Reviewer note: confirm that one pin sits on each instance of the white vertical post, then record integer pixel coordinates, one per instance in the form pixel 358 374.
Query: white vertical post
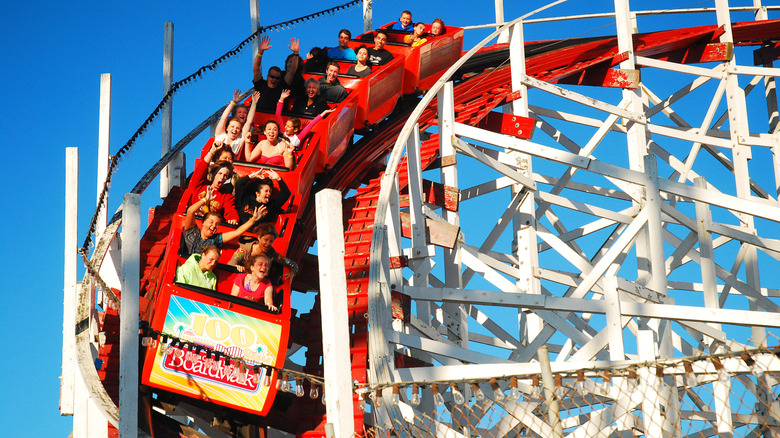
pixel 368 15
pixel 524 221
pixel 104 138
pixel 254 13
pixel 335 318
pixel 68 376
pixel 167 115
pixel 504 37
pixel 652 417
pixel 738 130
pixel 128 316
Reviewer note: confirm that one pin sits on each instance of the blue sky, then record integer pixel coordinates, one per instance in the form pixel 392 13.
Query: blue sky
pixel 53 54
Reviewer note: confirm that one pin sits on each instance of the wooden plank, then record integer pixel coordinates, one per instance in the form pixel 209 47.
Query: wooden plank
pixel 437 194
pixel 436 233
pixel 505 123
pixel 604 77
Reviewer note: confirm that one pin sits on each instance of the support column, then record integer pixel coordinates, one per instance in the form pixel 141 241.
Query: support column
pixel 524 221
pixel 167 112
pixel 67 379
pixel 368 15
pixel 738 130
pixel 335 318
pixel 128 316
pixel 104 139
pixel 254 13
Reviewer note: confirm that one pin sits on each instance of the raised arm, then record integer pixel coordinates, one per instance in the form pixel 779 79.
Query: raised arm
pixel 189 219
pixel 280 106
pixel 251 114
pixel 311 124
pixel 257 64
pixel 225 114
pixel 234 234
pixel 289 156
pixel 291 69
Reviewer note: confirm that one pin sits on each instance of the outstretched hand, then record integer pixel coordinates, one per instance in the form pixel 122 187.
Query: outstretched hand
pixel 295 45
pixel 236 96
pixel 285 94
pixel 265 44
pixel 255 96
pixel 327 111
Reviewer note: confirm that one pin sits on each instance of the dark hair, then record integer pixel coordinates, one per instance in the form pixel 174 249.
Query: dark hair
pixel 346 32
pixel 333 63
pixel 252 259
pixel 218 153
pixel 382 31
pixel 207 249
pixel 217 166
pixel 362 46
pixel 264 182
pixel 267 122
pixel 275 68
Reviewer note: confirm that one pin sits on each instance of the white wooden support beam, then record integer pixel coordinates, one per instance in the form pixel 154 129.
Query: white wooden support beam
pixel 503 37
pixel 128 316
pixel 167 112
pixel 335 320
pixel 68 377
pixel 706 253
pixel 104 139
pixel 453 277
pixel 368 15
pixel 254 13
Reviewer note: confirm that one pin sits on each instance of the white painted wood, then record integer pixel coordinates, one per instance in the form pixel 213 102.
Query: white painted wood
pixel 335 321
pixel 104 140
pixel 128 316
pixel 166 121
pixel 68 376
pixel 368 15
pixel 254 14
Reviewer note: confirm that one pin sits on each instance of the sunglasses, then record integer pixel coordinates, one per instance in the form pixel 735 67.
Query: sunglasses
pixel 274 77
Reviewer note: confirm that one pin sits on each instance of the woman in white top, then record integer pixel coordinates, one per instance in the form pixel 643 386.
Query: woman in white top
pixel 232 133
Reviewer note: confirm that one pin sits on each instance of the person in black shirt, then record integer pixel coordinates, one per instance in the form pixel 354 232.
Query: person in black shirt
pixel 271 88
pixel 378 55
pixel 313 104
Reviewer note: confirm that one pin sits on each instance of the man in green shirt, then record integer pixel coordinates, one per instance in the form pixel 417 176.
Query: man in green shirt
pixel 197 270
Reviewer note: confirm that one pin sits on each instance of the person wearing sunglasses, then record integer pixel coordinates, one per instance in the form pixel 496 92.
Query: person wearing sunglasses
pixel 271 87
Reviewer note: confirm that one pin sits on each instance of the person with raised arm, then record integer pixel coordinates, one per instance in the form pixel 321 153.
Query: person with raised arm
pixel 361 68
pixel 272 150
pixel 222 201
pixel 195 239
pixel 198 269
pixel 255 192
pixel 271 88
pixel 254 285
pixel 233 133
pixel 292 128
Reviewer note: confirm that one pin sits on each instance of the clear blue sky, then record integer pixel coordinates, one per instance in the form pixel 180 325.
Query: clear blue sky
pixel 53 54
